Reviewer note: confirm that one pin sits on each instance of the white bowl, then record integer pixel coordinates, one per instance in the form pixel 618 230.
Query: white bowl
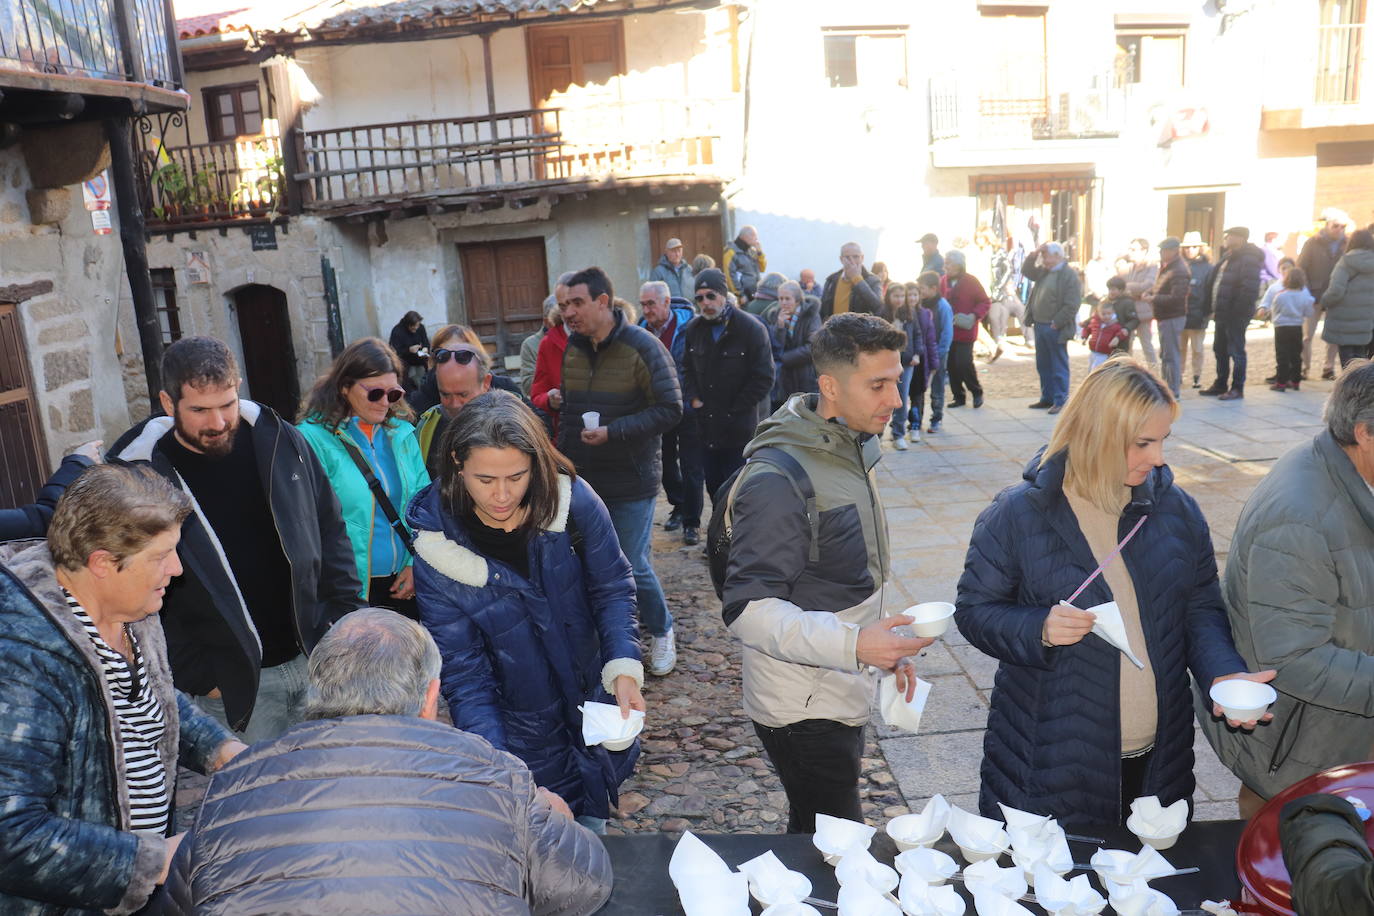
pixel 619 744
pixel 1149 839
pixel 930 618
pixel 1241 700
pixel 976 855
pixel 904 839
pixel 801 887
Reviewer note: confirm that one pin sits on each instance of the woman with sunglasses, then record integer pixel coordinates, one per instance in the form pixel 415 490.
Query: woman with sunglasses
pixel 354 419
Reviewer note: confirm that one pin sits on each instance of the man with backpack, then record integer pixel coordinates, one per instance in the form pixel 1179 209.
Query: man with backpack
pixel 800 553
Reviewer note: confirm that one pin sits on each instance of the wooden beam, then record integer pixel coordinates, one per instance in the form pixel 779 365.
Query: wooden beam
pixel 151 97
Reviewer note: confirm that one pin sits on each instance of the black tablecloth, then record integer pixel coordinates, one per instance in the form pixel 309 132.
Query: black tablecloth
pixel 643 888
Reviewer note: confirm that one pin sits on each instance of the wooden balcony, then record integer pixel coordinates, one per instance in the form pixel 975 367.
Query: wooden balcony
pixel 348 167
pixel 113 48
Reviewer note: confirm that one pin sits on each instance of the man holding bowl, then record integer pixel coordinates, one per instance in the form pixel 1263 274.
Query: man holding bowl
pixel 1299 590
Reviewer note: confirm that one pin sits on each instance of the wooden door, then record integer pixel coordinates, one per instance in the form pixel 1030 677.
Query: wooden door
pixel 269 356
pixel 562 56
pixel 23 456
pixel 699 234
pixel 504 287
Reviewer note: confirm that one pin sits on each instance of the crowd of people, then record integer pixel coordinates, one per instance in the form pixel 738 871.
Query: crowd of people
pixel 287 603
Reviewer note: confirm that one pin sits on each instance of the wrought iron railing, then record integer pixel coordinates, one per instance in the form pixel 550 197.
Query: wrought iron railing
pixel 960 110
pixel 212 182
pixel 129 40
pixel 1340 60
pixel 346 165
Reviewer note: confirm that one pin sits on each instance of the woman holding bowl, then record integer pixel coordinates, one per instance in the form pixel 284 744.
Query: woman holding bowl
pixel 1077 730
pixel 521 581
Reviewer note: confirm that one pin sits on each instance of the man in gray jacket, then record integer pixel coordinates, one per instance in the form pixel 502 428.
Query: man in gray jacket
pixel 1053 309
pixel 371 806
pixel 1299 589
pixel 810 615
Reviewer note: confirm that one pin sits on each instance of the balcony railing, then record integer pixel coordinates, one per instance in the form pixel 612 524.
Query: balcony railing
pixel 1340 57
pixel 958 110
pixel 127 40
pixel 212 182
pixel 450 156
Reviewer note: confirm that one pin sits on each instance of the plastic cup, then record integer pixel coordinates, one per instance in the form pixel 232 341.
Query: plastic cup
pixel 591 419
pixel 977 855
pixel 1241 700
pixel 1155 841
pixel 930 618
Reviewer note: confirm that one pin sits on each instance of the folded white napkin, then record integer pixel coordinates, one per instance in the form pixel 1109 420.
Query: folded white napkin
pixel 994 904
pixel 859 866
pixel 835 835
pixel 1110 627
pixel 987 877
pixel 1074 897
pixel 921 899
pixel 1117 866
pixel 1032 824
pixel 791 909
pixel 921 829
pixel 704 883
pixel 602 722
pixel 1139 899
pixel 976 833
pixel 929 865
pixel 1153 819
pixel 772 883
pixel 860 899
pixel 694 861
pixel 1049 847
pixel 895 709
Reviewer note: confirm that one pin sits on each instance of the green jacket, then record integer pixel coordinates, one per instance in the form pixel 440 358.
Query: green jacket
pixel 1325 852
pixel 429 428
pixel 1299 592
pixel 355 499
pixel 1055 298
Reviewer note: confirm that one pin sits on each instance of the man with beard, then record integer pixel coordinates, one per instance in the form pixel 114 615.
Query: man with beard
pixel 268 564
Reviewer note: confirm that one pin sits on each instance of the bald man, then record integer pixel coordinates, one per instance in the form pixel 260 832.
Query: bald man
pixel 852 288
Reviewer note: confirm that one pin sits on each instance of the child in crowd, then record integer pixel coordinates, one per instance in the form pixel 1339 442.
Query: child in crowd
pixel 1103 333
pixel 942 318
pixel 1265 312
pixel 1124 308
pixel 1290 309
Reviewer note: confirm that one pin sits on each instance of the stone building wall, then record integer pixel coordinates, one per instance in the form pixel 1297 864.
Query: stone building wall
pixel 67 281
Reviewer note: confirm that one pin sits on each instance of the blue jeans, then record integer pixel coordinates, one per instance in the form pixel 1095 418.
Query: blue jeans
pixel 899 417
pixel 1051 363
pixel 633 521
pixel 1228 345
pixel 280 703
pixel 939 378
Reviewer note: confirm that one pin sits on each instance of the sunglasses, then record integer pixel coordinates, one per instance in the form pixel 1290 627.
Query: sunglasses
pixel 461 357
pixel 706 297
pixel 374 395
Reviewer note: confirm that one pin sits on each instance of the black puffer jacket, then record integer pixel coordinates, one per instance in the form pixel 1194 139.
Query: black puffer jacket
pixel 730 375
pixel 383 814
pixel 1053 742
pixel 1236 295
pixel 1199 306
pixel 1326 855
pixel 632 382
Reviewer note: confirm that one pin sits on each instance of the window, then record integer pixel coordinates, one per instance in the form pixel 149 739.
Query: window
pixel 874 58
pixel 1340 51
pixel 588 55
pixel 232 111
pixel 1150 55
pixel 165 299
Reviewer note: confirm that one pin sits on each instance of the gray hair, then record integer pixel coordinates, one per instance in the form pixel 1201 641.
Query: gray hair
pixel 793 287
pixel 372 662
pixel 955 256
pixel 658 289
pixel 1351 402
pixel 552 314
pixel 1054 248
pixel 565 276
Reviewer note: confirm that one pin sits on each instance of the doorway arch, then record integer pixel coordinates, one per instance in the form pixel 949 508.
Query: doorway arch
pixel 269 353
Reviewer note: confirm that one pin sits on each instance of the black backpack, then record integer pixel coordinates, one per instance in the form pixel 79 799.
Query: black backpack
pixel 719 531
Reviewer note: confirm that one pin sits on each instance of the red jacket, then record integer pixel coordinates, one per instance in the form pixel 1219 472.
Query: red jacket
pixel 548 370
pixel 966 296
pixel 1103 338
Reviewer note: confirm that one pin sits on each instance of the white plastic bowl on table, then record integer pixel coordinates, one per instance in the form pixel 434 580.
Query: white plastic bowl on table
pixel 1155 841
pixel 1241 700
pixel 930 618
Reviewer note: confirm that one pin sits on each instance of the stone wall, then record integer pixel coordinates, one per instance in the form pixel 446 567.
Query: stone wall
pixel 68 281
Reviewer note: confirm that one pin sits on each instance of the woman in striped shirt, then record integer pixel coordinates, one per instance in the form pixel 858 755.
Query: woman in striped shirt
pixel 91 725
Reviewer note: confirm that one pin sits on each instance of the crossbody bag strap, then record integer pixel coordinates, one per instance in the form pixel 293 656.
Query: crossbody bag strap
pixel 801 485
pixel 1107 562
pixel 379 494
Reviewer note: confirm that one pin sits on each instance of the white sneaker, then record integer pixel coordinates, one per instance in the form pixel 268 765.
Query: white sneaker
pixel 662 654
pixel 914 435
pixel 899 443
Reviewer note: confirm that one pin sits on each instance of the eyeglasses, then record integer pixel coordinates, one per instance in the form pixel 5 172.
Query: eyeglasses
pixel 706 297
pixel 461 357
pixel 392 395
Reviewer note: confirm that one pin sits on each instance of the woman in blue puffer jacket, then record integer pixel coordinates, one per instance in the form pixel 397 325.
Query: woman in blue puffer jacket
pixel 521 581
pixel 1077 730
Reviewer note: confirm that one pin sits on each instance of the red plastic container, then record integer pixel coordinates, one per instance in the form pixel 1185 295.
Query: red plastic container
pixel 1265 885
